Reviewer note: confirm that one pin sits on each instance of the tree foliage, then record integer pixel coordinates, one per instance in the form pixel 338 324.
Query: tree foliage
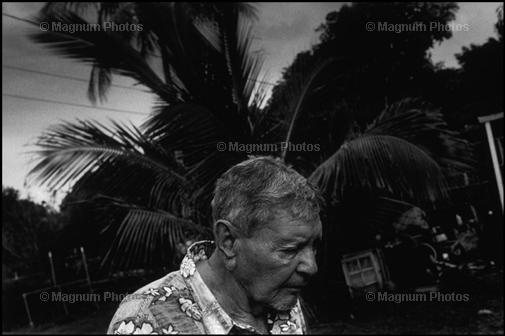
pixel 158 178
pixel 377 67
pixel 28 231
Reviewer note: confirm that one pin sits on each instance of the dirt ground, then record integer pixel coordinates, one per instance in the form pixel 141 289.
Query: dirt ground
pixel 370 318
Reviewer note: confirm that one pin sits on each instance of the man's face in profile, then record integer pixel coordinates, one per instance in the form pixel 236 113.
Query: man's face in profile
pixel 275 263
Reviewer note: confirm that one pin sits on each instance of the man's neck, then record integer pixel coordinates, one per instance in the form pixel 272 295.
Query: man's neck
pixel 230 294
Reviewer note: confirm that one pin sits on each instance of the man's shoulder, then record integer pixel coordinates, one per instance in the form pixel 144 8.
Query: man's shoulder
pixel 156 307
pixel 171 279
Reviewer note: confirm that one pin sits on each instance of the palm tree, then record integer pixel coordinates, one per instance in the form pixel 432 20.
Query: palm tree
pixel 163 172
pixel 208 93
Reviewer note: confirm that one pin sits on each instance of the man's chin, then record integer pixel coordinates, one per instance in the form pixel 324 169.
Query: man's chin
pixel 286 302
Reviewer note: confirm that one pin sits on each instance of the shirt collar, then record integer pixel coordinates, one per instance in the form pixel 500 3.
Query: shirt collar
pixel 214 318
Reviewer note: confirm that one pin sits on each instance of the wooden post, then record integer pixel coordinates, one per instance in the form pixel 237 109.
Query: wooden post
pixel 53 274
pixel 88 278
pixel 27 308
pixel 53 277
pixel 492 148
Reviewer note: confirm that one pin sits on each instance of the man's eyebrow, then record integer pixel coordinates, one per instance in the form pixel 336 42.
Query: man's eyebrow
pixel 285 240
pixel 296 239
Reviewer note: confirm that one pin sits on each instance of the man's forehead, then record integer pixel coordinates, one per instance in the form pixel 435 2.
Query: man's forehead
pixel 289 229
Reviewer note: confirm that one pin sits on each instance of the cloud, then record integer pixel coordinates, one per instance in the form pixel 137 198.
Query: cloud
pixel 287 31
pixel 480 18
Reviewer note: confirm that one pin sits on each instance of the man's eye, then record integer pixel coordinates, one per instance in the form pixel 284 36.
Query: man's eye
pixel 290 250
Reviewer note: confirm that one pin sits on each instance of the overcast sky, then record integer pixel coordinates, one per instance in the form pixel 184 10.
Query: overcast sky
pixel 283 30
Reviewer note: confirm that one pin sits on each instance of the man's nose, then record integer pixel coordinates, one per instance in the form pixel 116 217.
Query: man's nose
pixel 308 264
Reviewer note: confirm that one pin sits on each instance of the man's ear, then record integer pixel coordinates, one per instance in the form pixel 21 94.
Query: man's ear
pixel 226 236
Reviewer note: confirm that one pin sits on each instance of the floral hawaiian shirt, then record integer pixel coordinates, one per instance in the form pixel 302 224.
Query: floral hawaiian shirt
pixel 181 303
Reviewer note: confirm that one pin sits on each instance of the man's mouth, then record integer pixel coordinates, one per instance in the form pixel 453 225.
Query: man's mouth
pixel 295 287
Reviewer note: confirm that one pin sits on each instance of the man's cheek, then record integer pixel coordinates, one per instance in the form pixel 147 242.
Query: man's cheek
pixel 282 260
pixel 277 279
pixel 272 280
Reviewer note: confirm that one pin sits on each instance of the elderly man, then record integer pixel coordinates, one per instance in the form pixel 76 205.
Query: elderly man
pixel 248 281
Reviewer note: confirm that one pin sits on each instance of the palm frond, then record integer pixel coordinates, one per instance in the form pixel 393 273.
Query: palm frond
pixel 235 31
pixel 106 50
pixel 99 83
pixel 382 164
pixel 420 123
pixel 102 13
pixel 70 150
pixel 80 8
pixel 212 10
pixel 178 42
pixel 188 128
pixel 145 236
pixel 194 133
pixel 135 184
pixel 306 86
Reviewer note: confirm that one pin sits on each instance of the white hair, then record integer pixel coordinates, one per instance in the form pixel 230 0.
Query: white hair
pixel 250 193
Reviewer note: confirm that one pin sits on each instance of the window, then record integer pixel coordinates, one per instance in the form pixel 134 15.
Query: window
pixel 361 270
